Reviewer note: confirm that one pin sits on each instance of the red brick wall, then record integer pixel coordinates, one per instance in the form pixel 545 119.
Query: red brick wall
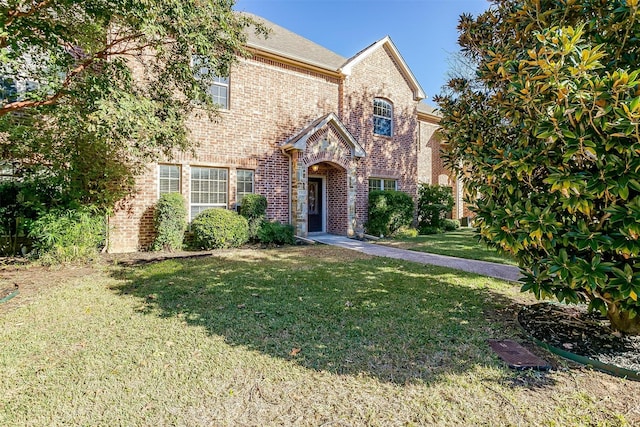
pixel 269 102
pixel 337 201
pixel 378 76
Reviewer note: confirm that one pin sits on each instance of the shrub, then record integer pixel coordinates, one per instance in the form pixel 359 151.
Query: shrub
pixel 276 233
pixel 388 211
pixel 254 209
pixel 62 236
pixel 170 220
pixel 218 229
pixel 451 224
pixel 407 232
pixel 430 230
pixel 434 202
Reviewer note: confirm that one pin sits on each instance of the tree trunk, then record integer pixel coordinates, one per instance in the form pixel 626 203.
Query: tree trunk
pixel 620 320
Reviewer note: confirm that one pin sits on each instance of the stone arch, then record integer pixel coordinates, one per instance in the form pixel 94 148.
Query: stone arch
pixel 326 140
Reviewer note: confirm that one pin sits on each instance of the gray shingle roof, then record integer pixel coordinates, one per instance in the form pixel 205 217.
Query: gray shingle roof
pixel 291 45
pixel 423 107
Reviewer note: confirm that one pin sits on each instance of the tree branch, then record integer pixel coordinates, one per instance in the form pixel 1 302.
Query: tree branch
pixel 16 13
pixel 106 52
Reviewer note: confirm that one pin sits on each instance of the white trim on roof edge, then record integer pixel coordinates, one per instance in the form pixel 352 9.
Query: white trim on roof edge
pixel 418 92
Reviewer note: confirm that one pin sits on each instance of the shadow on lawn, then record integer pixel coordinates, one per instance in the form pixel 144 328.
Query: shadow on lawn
pixel 351 315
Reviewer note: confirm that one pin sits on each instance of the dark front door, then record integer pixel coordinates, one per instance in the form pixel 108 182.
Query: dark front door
pixel 314 201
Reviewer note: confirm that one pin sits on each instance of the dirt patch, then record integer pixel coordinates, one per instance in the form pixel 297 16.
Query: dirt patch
pixel 574 330
pixel 30 280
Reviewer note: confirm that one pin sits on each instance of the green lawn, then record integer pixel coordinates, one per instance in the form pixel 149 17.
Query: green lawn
pixel 297 336
pixel 461 243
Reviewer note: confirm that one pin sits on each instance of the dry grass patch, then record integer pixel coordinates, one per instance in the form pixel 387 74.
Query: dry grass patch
pixel 297 336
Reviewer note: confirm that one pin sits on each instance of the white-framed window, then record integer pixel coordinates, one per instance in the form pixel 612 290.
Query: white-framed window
pixel 209 189
pixel 382 184
pixel 244 184
pixel 7 172
pixel 169 179
pixel 219 88
pixel 219 92
pixel 382 117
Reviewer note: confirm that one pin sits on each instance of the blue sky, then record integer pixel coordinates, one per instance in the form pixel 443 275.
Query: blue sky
pixel 424 31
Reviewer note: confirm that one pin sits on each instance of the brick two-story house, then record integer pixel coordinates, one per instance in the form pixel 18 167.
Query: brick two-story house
pixel 305 127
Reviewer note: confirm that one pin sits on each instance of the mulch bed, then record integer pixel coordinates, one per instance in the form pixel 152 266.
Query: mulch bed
pixel 574 330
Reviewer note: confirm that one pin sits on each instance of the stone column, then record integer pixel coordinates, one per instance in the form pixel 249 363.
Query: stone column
pixel 299 194
pixel 352 190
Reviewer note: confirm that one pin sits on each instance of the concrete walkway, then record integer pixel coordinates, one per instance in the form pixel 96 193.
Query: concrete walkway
pixel 490 269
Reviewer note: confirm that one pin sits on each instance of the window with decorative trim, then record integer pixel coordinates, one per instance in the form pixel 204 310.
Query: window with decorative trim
pixel 209 189
pixel 382 117
pixel 382 184
pixel 219 88
pixel 168 179
pixel 244 184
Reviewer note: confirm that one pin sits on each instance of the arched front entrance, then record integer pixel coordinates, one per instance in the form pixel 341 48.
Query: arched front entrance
pixel 327 201
pixel 324 158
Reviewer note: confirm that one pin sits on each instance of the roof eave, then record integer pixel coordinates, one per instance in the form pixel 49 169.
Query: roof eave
pixel 293 60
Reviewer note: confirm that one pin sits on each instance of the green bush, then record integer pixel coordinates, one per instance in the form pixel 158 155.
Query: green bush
pixel 218 229
pixel 276 233
pixel 434 202
pixel 170 220
pixel 254 208
pixel 388 211
pixel 430 230
pixel 62 236
pixel 407 233
pixel 22 202
pixel 451 224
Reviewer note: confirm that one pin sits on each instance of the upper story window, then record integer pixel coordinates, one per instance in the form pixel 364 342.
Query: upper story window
pixel 219 86
pixel 382 117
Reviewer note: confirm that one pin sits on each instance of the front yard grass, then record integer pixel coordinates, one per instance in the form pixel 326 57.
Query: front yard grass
pixel 461 243
pixel 296 336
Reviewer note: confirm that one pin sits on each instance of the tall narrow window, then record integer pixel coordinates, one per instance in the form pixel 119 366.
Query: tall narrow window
pixel 244 184
pixel 168 179
pixel 209 189
pixel 219 86
pixel 382 117
pixel 219 92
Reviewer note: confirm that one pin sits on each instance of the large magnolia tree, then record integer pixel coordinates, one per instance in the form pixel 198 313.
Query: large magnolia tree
pixel 72 109
pixel 547 138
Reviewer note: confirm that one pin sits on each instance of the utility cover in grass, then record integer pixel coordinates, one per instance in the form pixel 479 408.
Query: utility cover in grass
pixel 518 357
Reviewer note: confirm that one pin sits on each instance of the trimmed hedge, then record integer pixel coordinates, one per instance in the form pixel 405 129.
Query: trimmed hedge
pixel 219 229
pixel 170 220
pixel 276 233
pixel 389 210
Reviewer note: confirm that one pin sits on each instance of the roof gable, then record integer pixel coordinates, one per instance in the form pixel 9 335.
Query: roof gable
pixel 299 141
pixel 346 69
